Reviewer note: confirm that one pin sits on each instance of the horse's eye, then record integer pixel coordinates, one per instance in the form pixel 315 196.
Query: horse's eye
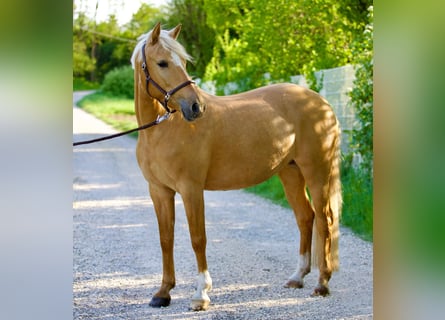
pixel 163 64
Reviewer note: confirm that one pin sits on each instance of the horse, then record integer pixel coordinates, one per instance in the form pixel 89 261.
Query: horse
pixel 208 142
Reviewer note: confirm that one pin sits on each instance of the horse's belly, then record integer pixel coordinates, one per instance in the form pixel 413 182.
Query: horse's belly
pixel 246 165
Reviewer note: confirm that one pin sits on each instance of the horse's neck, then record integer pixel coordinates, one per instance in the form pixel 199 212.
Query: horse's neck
pixel 147 109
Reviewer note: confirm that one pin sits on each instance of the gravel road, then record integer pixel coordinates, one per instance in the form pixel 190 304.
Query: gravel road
pixel 252 248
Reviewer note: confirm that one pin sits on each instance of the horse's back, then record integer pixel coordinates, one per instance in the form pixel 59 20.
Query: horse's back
pixel 306 111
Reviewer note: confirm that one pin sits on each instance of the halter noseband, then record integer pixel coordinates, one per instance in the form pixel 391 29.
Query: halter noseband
pixel 167 94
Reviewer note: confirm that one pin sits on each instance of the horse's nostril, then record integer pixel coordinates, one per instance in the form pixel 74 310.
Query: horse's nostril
pixel 195 108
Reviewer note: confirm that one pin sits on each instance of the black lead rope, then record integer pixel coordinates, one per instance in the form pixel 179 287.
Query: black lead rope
pixel 145 126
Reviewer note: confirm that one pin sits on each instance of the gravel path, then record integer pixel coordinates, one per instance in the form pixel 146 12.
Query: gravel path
pixel 252 248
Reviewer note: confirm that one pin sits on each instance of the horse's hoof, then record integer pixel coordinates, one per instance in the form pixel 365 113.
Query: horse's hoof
pixel 158 302
pixel 199 305
pixel 321 290
pixel 297 284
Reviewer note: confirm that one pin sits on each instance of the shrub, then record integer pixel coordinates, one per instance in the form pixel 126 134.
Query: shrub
pixel 119 82
pixel 362 97
pixel 82 84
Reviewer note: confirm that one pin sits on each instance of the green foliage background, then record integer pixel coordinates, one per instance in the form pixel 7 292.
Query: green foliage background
pixel 280 37
pixel 231 40
pixel 362 99
pixel 119 82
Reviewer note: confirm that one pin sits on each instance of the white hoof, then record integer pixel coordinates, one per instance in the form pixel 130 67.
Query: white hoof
pixel 200 300
pixel 200 304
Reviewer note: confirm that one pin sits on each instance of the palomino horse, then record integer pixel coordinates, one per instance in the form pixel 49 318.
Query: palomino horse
pixel 232 142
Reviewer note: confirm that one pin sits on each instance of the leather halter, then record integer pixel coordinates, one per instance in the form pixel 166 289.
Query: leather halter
pixel 167 94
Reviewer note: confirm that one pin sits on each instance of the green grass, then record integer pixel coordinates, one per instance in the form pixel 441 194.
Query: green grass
pixel 357 187
pixel 271 189
pixel 80 84
pixel 357 200
pixel 117 112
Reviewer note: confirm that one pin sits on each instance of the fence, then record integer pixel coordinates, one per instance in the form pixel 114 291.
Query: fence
pixel 336 83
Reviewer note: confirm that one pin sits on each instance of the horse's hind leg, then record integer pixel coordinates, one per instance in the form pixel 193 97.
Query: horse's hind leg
pixel 323 181
pixel 295 189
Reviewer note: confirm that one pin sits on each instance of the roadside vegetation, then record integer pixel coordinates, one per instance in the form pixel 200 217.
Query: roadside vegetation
pixel 252 38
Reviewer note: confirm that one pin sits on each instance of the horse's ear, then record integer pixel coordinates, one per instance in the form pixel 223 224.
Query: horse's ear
pixel 174 33
pixel 155 33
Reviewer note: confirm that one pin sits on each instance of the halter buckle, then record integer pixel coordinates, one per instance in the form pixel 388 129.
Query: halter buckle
pixel 165 116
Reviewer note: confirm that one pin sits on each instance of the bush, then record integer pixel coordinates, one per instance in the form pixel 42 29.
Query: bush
pixel 82 84
pixel 119 82
pixel 362 97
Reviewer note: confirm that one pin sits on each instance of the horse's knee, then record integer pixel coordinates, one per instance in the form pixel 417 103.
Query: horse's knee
pixel 167 243
pixel 199 242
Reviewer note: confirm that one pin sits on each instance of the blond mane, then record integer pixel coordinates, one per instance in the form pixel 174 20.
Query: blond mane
pixel 165 41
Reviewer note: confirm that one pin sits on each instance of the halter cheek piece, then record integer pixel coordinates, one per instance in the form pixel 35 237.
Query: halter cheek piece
pixel 167 94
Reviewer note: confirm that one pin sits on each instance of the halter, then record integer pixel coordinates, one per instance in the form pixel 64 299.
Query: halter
pixel 167 94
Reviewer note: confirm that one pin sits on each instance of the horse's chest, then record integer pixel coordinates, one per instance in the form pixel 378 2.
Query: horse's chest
pixel 167 163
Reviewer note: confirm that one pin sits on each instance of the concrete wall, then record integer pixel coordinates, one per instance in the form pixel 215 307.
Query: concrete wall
pixel 336 84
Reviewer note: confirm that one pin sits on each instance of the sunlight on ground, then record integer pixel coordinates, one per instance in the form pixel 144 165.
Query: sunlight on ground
pixel 112 203
pixel 89 187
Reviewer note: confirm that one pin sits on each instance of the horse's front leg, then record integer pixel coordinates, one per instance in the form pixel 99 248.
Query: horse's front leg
pixel 163 200
pixel 194 207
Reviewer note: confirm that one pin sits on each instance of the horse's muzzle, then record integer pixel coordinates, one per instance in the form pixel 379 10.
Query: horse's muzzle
pixel 193 111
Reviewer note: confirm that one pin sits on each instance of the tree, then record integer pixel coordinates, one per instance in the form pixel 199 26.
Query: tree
pixel 362 96
pixel 83 63
pixel 143 21
pixel 100 47
pixel 196 36
pixel 282 38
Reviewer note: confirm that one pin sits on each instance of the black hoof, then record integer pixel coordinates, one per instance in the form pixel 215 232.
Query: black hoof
pixel 158 302
pixel 321 290
pixel 294 284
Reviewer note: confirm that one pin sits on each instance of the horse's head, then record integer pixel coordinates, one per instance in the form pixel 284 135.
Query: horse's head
pixel 165 61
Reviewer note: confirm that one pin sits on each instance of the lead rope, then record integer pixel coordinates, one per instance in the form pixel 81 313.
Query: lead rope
pixel 158 120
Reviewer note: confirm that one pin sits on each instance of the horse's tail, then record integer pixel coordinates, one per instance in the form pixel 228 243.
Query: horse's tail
pixel 334 209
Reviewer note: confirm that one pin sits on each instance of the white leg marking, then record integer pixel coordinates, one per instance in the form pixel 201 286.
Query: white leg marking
pixel 304 264
pixel 200 300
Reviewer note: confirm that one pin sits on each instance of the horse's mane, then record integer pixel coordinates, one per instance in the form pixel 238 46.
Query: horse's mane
pixel 166 41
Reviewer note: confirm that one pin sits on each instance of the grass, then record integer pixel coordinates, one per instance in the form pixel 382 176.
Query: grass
pixel 117 112
pixel 271 189
pixel 357 187
pixel 357 199
pixel 80 84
